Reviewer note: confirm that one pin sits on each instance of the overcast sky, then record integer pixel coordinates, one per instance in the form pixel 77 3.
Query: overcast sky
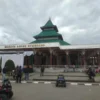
pixel 78 20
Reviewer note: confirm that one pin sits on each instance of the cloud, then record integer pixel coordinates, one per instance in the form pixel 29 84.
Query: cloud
pixel 78 20
pixel 6 38
pixel 70 31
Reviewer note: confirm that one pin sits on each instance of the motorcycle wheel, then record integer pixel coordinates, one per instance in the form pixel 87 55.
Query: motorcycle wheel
pixel 3 97
pixel 56 85
pixel 64 85
pixel 10 94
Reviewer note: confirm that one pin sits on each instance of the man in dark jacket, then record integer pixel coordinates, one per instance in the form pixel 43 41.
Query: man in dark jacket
pixel 91 73
pixel 18 74
pixel 26 72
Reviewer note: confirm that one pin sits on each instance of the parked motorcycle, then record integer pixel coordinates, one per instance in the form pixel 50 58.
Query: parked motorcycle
pixel 6 90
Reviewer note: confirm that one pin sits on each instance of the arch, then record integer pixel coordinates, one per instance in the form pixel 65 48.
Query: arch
pixel 16 58
pixel 9 65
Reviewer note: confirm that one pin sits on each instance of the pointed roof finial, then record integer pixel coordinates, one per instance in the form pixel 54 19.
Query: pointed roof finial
pixel 49 18
pixel 49 25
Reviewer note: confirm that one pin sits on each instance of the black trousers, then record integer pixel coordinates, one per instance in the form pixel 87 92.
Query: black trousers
pixel 18 78
pixel 41 73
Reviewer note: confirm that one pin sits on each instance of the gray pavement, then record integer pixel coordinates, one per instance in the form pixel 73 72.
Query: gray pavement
pixel 55 77
pixel 50 92
pixel 68 76
pixel 73 74
pixel 54 69
pixel 51 76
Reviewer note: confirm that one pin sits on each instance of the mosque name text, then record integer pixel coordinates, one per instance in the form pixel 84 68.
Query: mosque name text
pixel 23 46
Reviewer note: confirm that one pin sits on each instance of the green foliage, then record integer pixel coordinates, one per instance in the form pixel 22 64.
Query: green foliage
pixel 9 65
pixel 98 75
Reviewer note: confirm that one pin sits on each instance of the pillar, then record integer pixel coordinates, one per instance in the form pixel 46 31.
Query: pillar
pixel 34 56
pixel 78 59
pixel 51 51
pixel 84 58
pixel 98 58
pixel 67 58
pixel 57 59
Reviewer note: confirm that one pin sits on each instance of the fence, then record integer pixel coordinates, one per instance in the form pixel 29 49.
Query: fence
pixel 68 66
pixel 63 68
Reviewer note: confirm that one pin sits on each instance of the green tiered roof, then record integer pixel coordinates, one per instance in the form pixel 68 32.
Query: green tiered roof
pixel 49 34
pixel 49 24
pixel 51 41
pixel 46 33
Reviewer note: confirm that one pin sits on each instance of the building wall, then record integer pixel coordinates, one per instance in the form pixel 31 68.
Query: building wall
pixel 16 58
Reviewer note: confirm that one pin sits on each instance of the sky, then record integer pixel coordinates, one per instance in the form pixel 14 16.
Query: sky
pixel 77 20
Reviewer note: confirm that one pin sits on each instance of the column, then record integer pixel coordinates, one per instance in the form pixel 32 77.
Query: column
pixel 67 58
pixel 47 60
pixel 78 60
pixel 93 60
pixel 51 56
pixel 34 56
pixel 57 59
pixel 98 58
pixel 84 58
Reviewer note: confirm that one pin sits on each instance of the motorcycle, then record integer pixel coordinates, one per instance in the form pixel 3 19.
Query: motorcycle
pixel 6 90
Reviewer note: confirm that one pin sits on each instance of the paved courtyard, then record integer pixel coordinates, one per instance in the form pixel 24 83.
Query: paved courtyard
pixel 29 91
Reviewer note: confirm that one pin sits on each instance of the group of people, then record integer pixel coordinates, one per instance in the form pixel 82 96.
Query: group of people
pixel 16 73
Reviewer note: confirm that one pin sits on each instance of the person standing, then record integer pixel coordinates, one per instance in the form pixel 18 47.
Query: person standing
pixel 3 74
pixel 26 73
pixel 26 76
pixel 18 74
pixel 73 68
pixel 66 68
pixel 42 71
pixel 91 73
pixel 13 74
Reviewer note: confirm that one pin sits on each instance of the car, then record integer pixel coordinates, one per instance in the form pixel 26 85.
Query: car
pixel 60 81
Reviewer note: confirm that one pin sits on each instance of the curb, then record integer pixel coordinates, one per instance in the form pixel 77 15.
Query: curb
pixel 85 81
pixel 68 75
pixel 52 82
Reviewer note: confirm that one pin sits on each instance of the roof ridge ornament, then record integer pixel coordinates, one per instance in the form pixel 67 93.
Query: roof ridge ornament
pixel 49 18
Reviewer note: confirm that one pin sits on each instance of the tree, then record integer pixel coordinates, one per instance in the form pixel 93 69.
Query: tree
pixel 9 65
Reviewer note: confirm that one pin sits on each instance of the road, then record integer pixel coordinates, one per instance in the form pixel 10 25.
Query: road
pixel 30 91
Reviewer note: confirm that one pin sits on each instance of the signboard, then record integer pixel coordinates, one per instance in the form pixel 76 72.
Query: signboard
pixel 35 45
pixel 23 46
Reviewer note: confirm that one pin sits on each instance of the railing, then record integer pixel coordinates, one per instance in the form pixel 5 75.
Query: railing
pixel 68 66
pixel 63 68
